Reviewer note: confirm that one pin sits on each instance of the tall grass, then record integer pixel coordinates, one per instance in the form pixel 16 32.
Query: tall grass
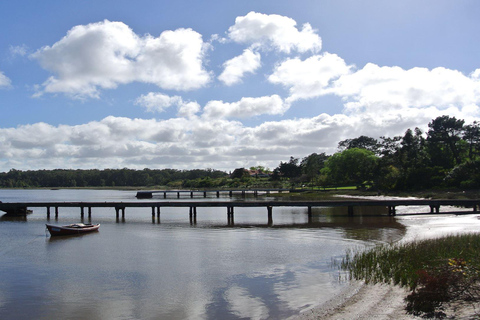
pixel 399 263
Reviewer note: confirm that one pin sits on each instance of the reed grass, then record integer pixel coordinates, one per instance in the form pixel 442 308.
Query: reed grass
pixel 400 263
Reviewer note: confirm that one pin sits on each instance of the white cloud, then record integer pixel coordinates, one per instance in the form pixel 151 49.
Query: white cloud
pixel 311 77
pixel 235 68
pixel 105 54
pixel 279 32
pixel 18 50
pixel 5 82
pixel 376 89
pixel 246 107
pixel 154 101
pixel 158 102
pixel 188 109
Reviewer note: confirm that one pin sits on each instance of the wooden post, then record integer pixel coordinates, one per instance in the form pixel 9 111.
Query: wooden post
pixel 350 210
pixel 230 215
pixel 270 216
pixel 153 211
pixel 218 194
pixel 82 212
pixel 56 212
pixel 117 210
pixel 48 212
pixel 204 194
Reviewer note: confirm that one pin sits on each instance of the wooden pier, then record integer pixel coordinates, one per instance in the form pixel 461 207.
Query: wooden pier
pixel 203 193
pixel 120 207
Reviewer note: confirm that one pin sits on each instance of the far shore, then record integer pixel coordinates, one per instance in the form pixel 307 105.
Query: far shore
pixel 303 193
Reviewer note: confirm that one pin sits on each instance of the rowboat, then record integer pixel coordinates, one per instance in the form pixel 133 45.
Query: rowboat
pixel 75 228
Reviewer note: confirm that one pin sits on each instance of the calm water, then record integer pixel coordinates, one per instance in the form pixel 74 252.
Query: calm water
pixel 170 269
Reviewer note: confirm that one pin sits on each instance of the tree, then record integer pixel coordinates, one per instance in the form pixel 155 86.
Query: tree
pixel 362 142
pixel 351 166
pixel 239 173
pixel 312 164
pixel 472 137
pixel 412 150
pixel 444 134
pixel 290 169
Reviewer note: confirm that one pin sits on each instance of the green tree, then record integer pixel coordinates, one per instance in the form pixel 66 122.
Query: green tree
pixel 312 164
pixel 443 136
pixel 290 169
pixel 362 142
pixel 351 166
pixel 472 137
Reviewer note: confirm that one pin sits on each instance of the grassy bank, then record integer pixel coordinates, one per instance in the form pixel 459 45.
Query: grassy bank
pixel 437 271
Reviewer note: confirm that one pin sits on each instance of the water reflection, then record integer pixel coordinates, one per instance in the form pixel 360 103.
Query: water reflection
pixel 14 217
pixel 167 268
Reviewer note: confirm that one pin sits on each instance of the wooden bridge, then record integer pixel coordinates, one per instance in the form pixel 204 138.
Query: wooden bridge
pixel 204 193
pixel 120 207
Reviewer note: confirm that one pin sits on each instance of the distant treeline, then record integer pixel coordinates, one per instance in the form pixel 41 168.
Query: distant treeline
pixel 446 156
pixel 102 178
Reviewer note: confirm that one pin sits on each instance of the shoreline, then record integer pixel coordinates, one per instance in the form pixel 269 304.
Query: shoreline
pixel 381 301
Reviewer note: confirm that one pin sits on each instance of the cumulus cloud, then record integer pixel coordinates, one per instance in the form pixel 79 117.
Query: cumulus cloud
pixel 154 101
pixel 373 88
pixel 159 102
pixel 105 54
pixel 235 68
pixel 274 31
pixel 246 107
pixel 5 82
pixel 311 77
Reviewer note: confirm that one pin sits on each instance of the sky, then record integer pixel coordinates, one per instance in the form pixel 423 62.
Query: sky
pixel 225 84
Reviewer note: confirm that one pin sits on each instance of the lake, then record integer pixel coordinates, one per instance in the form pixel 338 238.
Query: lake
pixel 140 268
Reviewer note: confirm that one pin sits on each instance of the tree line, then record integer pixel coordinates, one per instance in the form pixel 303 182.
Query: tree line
pixel 104 178
pixel 447 155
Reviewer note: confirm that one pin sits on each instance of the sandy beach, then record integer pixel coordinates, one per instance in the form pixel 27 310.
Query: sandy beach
pixel 361 301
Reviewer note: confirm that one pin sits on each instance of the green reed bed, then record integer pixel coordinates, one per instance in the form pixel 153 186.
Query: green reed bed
pixel 400 264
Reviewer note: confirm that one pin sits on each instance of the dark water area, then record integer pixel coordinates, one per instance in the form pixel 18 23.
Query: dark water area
pixel 141 268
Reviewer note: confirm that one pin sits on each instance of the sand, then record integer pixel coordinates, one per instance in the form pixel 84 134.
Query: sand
pixel 380 302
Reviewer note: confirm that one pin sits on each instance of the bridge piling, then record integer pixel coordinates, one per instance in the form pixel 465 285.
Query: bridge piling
pixel 350 210
pixel 270 215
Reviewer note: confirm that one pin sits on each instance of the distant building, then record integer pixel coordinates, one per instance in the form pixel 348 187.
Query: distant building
pixel 258 174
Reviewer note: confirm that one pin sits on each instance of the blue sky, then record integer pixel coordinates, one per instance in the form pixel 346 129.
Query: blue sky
pixel 225 84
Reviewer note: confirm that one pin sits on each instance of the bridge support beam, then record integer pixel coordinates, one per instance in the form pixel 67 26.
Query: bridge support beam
pixel 392 211
pixel 193 215
pixel 435 208
pixel 350 210
pixel 230 221
pixel 270 215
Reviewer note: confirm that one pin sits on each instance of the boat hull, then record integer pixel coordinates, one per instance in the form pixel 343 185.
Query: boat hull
pixel 71 229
